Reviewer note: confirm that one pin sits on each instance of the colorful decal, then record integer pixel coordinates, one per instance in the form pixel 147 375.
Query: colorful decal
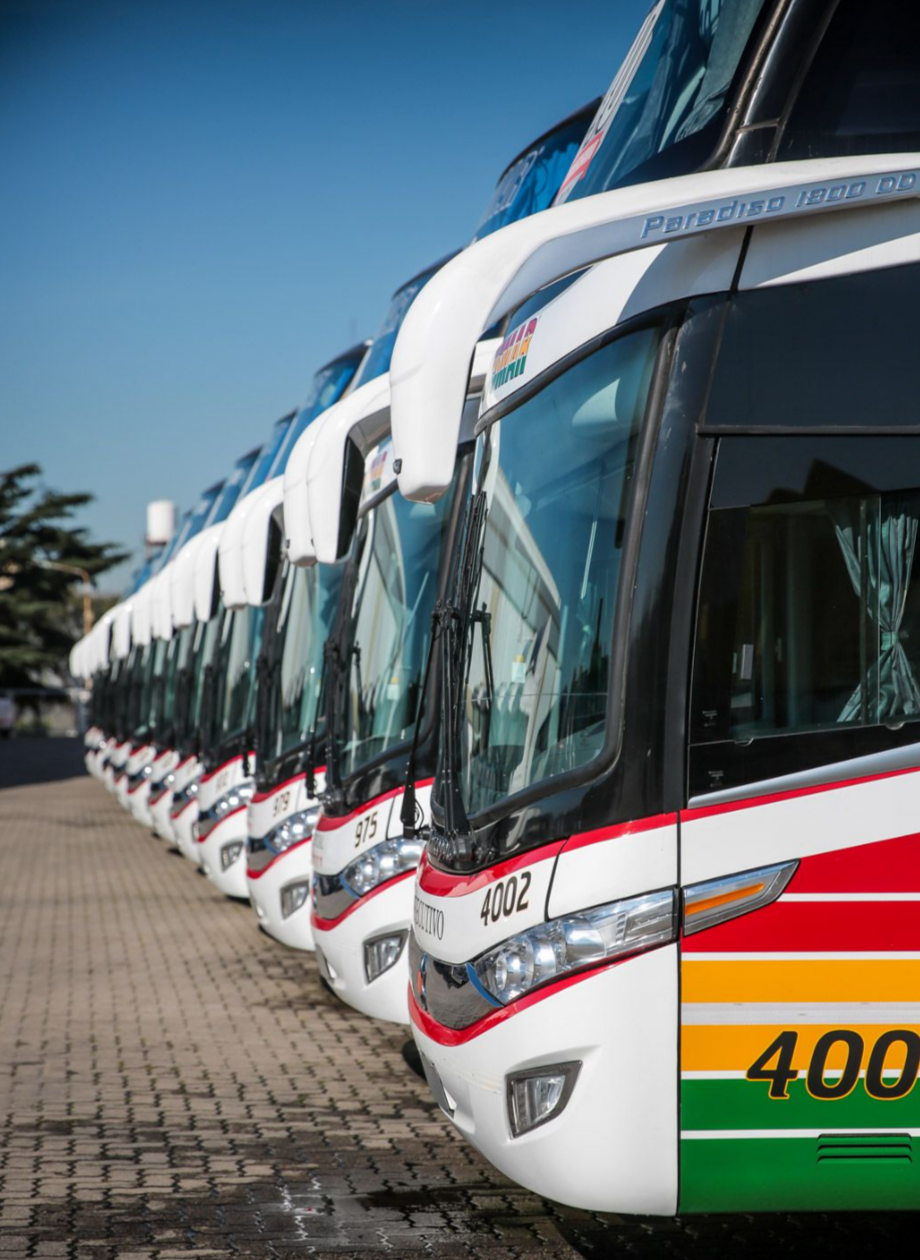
pixel 609 106
pixel 800 1042
pixel 511 356
pixel 378 470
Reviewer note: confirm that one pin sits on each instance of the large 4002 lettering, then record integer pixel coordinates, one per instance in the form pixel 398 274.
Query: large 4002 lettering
pixel 781 1054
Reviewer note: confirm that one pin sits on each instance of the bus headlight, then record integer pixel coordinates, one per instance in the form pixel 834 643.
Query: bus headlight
pixel 384 861
pixel 299 826
pixel 551 950
pixel 161 786
pixel 539 1094
pixel 235 799
pixel 183 797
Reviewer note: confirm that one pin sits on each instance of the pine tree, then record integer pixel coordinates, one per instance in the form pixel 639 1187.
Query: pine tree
pixel 39 620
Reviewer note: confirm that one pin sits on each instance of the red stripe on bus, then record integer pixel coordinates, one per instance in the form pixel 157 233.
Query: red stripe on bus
pixel 442 884
pixel 445 1036
pixel 815 926
pixel 326 925
pixel 250 874
pixel 582 839
pixel 239 809
pixel 206 778
pixel 333 824
pixel 270 792
pixel 729 807
pixel 882 866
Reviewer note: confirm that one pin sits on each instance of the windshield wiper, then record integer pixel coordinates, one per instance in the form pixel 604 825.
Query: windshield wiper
pixel 205 713
pixel 308 761
pixel 410 814
pixel 447 618
pixel 332 665
pixel 484 619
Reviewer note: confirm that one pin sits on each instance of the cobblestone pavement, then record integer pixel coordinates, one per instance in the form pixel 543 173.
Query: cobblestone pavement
pixel 177 1085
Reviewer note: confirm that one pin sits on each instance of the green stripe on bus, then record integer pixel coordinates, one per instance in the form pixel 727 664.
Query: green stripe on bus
pixel 738 1104
pixel 788 1174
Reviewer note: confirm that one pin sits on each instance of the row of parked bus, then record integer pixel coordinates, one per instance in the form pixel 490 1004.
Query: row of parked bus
pixel 553 673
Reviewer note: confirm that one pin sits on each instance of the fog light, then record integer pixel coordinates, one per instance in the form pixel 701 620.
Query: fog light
pixel 539 1095
pixel 230 854
pixel 293 897
pixel 382 952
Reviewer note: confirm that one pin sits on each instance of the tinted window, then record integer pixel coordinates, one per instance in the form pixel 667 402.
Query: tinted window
pixel 862 93
pixel 833 354
pixel 531 181
pixel 809 616
pixel 665 108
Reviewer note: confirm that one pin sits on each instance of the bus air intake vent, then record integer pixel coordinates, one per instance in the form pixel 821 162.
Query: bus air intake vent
pixel 889 1148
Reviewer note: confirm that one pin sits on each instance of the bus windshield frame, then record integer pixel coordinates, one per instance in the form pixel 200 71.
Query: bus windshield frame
pixel 235 657
pixel 372 708
pixel 289 692
pixel 475 656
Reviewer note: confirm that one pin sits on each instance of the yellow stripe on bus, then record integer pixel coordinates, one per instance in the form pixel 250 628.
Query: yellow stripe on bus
pixel 734 1047
pixel 801 980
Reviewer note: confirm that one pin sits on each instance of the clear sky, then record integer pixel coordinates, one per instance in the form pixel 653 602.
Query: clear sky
pixel 201 201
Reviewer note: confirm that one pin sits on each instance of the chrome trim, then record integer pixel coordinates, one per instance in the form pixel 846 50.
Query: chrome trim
pixel 905 758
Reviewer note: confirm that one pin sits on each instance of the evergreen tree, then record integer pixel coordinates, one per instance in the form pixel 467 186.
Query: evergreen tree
pixel 39 618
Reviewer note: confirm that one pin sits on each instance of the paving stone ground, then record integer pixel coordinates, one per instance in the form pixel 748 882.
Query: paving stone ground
pixel 175 1084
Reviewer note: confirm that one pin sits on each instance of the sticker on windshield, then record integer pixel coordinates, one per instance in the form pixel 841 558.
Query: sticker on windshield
pixel 607 110
pixel 511 357
pixel 378 470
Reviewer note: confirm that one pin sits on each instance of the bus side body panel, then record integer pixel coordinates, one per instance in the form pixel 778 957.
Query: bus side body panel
pixel 800 1022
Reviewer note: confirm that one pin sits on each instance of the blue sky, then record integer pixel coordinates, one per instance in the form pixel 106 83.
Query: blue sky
pixel 203 201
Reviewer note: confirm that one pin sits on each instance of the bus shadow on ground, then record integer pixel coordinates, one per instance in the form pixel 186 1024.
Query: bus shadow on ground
pixel 30 759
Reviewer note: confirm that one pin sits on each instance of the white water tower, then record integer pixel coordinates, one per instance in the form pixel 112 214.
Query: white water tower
pixel 161 523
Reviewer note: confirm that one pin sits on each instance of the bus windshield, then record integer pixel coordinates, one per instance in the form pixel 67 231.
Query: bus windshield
pixel 532 180
pixel 540 616
pixel 308 605
pixel 329 384
pixel 231 488
pixel 664 109
pixel 139 690
pixel 202 655
pixel 235 664
pixel 261 469
pixel 395 562
pixel 377 360
pixel 153 701
pixel 201 511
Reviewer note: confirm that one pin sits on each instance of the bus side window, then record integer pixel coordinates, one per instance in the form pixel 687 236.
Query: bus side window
pixel 808 632
pixel 862 91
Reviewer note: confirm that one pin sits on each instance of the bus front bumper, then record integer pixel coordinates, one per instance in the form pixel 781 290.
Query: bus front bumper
pixel 353 947
pixel 222 853
pixel 183 829
pixel 272 890
pixel 611 1145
